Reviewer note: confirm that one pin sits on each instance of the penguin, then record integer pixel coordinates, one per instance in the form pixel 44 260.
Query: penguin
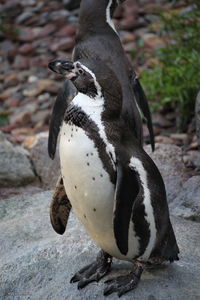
pixel 113 186
pixel 97 39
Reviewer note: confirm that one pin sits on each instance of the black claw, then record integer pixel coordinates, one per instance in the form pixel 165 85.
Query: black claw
pixel 109 290
pixel 75 278
pixel 82 284
pixel 121 293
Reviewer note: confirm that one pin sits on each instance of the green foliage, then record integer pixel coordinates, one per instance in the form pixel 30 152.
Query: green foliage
pixel 4 120
pixel 175 78
pixel 7 29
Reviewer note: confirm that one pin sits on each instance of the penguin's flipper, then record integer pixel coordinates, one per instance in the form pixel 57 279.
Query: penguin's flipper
pixel 60 208
pixel 127 190
pixel 65 95
pixel 144 107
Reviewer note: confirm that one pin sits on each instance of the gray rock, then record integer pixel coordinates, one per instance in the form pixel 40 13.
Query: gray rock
pixel 48 170
pixel 168 159
pixel 15 165
pixel 36 263
pixel 197 117
pixel 187 203
pixel 24 17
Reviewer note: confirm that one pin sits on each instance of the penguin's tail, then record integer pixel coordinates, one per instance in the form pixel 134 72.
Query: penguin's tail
pixel 167 249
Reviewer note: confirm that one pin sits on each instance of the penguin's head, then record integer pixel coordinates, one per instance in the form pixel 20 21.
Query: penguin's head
pixel 81 76
pixel 94 13
pixel 93 78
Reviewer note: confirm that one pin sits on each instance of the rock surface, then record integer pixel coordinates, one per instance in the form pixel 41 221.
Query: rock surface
pixel 48 170
pixel 36 263
pixel 168 159
pixel 187 203
pixel 15 166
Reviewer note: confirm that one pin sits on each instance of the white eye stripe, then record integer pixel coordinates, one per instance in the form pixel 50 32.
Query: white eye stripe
pixel 93 76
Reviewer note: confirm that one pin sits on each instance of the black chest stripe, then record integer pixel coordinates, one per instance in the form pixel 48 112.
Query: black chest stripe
pixel 79 118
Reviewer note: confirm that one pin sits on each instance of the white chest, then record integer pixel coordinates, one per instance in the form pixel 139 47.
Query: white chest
pixel 88 185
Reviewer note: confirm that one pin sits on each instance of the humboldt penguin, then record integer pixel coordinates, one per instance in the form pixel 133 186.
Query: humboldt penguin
pixel 98 39
pixel 113 186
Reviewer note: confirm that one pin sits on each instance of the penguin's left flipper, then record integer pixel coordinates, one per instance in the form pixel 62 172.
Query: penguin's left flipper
pixel 94 271
pixel 65 95
pixel 60 208
pixel 144 107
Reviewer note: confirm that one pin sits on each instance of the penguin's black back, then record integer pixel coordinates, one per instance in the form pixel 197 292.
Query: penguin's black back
pixel 102 43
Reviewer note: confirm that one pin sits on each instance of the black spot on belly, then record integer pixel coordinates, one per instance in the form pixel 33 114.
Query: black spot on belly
pixel 93 178
pixel 85 216
pixel 94 209
pixel 88 163
pixel 87 154
pixel 68 140
pixel 101 175
pixel 75 187
pixel 91 153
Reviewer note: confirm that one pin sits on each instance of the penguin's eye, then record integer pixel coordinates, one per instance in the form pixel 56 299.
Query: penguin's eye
pixel 80 71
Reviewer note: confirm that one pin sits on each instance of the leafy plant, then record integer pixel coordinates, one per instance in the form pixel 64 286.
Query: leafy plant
pixel 7 29
pixel 4 120
pixel 175 78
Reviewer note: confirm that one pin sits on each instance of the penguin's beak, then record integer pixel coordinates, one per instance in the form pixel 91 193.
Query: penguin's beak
pixel 63 67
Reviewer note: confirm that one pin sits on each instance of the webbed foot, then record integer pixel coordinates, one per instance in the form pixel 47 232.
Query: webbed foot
pixel 126 283
pixel 94 271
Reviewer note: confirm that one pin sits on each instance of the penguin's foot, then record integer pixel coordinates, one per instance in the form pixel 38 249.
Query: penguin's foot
pixel 126 283
pixel 94 271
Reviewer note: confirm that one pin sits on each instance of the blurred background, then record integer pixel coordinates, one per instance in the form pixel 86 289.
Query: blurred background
pixel 161 38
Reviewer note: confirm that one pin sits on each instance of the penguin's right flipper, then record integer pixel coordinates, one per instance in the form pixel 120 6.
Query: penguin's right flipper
pixel 144 107
pixel 127 190
pixel 65 95
pixel 60 208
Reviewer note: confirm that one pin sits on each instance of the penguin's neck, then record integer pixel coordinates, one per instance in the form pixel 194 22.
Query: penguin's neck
pixel 87 103
pixel 84 109
pixel 96 16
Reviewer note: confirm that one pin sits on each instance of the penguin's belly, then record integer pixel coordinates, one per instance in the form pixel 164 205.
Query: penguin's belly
pixel 88 186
